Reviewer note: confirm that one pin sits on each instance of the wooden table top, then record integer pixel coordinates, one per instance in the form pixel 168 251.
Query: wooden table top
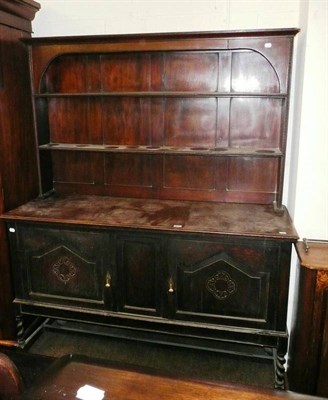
pixel 67 375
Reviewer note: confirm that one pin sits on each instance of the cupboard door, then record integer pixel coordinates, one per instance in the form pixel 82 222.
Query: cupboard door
pixel 224 282
pixel 61 266
pixel 139 274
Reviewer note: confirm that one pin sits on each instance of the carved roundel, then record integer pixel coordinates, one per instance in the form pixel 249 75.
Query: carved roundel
pixel 221 286
pixel 64 269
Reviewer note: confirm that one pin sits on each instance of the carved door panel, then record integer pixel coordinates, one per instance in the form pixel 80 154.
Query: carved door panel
pixel 223 282
pixel 61 266
pixel 139 268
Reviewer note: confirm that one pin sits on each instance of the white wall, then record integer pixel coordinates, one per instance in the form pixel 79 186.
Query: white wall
pixel 308 184
pixel 81 17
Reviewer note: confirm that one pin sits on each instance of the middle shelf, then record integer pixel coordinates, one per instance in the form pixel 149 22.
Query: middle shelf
pixel 153 149
pixel 163 94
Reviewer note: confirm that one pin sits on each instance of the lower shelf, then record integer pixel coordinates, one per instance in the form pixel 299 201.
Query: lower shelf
pixel 160 338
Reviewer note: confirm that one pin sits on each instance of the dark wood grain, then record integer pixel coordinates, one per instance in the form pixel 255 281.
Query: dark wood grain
pixel 307 370
pixel 160 159
pixel 125 383
pixel 200 91
pixel 18 165
pixel 139 275
pixel 18 14
pixel 207 217
pixel 11 382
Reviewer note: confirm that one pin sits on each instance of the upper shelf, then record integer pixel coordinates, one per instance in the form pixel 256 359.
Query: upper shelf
pixel 240 70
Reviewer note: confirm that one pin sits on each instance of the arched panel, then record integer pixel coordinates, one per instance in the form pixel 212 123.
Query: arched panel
pixel 252 73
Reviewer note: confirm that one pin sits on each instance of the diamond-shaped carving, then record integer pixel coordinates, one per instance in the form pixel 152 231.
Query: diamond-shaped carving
pixel 221 286
pixel 64 269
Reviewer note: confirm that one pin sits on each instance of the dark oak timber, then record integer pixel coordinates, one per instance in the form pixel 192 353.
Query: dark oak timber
pixel 308 361
pixel 18 164
pixel 144 106
pixel 161 161
pixel 69 374
pixel 159 215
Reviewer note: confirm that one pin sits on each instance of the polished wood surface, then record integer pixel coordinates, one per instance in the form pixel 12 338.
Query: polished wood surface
pixel 313 254
pixel 307 370
pixel 18 13
pixel 66 377
pixel 11 382
pixel 18 166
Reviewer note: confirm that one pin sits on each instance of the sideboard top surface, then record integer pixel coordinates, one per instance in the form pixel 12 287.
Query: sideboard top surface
pixel 316 257
pixel 163 215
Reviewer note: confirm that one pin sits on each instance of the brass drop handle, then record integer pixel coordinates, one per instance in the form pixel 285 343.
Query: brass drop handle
pixel 108 281
pixel 171 286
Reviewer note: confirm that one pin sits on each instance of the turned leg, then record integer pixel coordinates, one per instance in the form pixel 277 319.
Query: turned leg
pixel 279 363
pixel 20 330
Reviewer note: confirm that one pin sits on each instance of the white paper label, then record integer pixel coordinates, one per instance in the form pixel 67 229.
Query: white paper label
pixel 88 392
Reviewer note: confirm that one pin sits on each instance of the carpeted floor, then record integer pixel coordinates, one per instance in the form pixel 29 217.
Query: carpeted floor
pixel 189 363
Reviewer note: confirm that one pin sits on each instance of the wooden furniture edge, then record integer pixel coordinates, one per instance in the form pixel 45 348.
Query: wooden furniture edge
pixel 18 13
